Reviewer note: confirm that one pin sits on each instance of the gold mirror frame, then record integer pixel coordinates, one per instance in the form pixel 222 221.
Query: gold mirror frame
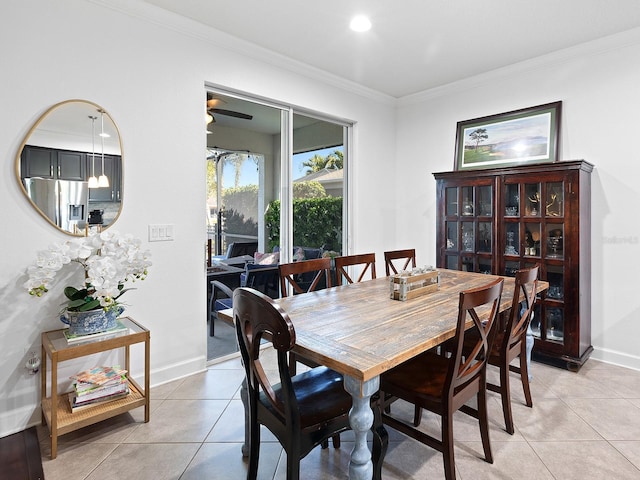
pixel 67 127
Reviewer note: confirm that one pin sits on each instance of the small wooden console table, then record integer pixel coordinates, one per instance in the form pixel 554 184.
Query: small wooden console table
pixel 56 411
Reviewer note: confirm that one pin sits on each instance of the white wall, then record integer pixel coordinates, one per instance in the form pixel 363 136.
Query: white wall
pixel 598 85
pixel 150 76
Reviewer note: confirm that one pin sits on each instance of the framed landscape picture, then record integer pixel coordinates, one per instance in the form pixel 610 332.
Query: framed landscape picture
pixel 525 136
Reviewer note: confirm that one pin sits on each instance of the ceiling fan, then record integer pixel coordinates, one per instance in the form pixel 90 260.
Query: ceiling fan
pixel 212 107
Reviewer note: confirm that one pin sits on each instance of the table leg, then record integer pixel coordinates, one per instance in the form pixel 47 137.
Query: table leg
pixel 529 346
pixel 361 420
pixel 244 396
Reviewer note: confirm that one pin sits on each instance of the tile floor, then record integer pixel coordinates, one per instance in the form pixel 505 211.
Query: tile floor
pixel 583 425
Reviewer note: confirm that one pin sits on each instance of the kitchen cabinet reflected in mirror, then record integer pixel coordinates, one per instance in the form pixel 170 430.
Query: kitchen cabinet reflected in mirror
pixel 70 167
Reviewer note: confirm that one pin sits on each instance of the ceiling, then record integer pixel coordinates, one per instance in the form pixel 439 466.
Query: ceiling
pixel 414 45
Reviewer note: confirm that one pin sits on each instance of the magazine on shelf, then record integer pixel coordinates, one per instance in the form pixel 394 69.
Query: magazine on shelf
pixel 102 392
pixel 71 338
pixel 82 388
pixel 75 405
pixel 99 375
pixel 98 391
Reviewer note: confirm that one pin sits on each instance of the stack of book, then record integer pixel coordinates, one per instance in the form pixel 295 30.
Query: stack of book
pixel 98 385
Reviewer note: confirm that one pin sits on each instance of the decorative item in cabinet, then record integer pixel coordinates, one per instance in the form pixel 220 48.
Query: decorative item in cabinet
pixel 523 216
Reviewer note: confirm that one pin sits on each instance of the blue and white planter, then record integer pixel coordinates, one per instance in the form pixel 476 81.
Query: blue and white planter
pixel 92 321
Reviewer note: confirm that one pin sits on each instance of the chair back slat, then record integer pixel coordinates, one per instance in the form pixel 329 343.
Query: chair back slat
pixel 366 260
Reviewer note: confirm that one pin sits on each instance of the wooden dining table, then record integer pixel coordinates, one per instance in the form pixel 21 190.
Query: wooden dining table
pixel 359 331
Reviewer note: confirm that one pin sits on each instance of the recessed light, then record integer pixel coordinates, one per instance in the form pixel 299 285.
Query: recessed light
pixel 360 23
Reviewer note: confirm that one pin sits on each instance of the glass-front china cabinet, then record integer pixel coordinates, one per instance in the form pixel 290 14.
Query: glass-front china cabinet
pixel 497 221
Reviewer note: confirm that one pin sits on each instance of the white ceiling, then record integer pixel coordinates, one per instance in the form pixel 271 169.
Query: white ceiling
pixel 414 45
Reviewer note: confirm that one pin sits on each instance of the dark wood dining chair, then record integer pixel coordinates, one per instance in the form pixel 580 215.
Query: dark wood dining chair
pixel 443 384
pixel 302 411
pixel 392 257
pixel 511 343
pixel 292 274
pixel 366 261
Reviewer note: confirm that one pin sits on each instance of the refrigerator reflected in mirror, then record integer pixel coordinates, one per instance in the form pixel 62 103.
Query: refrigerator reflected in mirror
pixel 63 202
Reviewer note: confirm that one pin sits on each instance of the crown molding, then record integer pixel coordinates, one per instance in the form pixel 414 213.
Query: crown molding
pixel 592 48
pixel 157 16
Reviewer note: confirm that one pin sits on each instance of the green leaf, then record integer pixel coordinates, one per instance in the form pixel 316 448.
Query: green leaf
pixel 93 304
pixel 74 294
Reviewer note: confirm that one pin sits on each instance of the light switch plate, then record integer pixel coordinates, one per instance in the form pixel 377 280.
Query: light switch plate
pixel 161 232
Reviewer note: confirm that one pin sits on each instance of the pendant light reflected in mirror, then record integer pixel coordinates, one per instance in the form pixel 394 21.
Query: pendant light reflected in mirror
pixel 93 181
pixel 103 181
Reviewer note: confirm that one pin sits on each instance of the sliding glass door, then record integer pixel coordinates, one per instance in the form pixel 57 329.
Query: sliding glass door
pixel 276 179
pixel 276 175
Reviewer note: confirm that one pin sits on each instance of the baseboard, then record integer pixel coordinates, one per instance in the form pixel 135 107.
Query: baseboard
pixel 177 371
pixel 19 418
pixel 615 357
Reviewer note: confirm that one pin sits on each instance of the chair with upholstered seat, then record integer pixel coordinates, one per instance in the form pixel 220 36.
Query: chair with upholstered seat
pixel 443 384
pixel 302 411
pixel 292 274
pixel 391 258
pixel 366 261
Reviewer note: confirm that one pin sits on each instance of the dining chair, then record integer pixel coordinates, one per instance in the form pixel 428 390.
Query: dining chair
pixel 511 343
pixel 295 274
pixel 367 261
pixel 292 274
pixel 443 384
pixel 302 411
pixel 408 255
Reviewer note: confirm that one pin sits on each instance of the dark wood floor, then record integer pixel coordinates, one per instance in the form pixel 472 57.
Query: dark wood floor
pixel 20 456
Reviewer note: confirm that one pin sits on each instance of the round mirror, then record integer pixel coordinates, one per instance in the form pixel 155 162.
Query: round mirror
pixel 70 167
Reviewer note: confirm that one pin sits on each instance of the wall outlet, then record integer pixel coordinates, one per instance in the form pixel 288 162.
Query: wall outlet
pixel 161 233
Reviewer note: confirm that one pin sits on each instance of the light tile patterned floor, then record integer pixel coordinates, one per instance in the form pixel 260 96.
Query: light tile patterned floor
pixel 583 425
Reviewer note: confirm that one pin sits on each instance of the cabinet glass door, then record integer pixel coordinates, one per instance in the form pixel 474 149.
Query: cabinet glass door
pixel 468 227
pixel 531 241
pixel 512 239
pixel 512 200
pixel 554 199
pixel 532 199
pixel 451 194
pixel 452 235
pixel 484 237
pixel 555 324
pixel 555 277
pixel 555 239
pixel 468 237
pixel 484 203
